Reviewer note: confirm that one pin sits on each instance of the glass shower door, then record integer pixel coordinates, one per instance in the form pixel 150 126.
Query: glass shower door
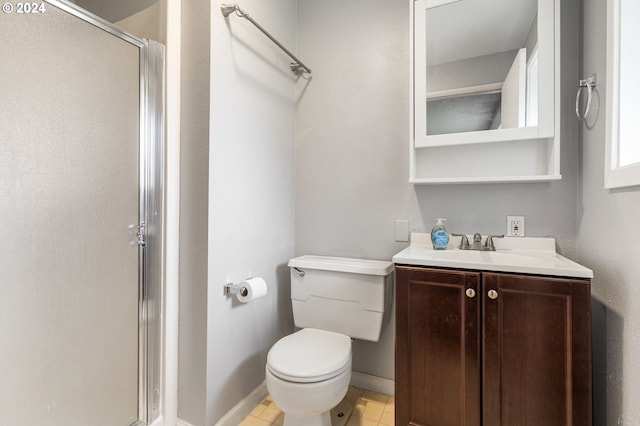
pixel 70 279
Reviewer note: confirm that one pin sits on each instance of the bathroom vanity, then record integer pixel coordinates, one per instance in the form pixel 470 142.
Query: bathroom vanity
pixel 492 338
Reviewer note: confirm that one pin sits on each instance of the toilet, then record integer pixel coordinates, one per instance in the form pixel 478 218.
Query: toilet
pixel 334 300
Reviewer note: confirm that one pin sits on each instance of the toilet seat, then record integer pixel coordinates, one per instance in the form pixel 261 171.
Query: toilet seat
pixel 310 355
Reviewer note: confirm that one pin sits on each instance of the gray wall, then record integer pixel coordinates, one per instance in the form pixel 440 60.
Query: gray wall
pixel 142 18
pixel 250 196
pixel 352 141
pixel 469 72
pixel 236 201
pixel 115 10
pixel 607 220
pixel 194 153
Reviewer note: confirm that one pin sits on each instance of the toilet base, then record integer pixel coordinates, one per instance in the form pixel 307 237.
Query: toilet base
pixel 308 404
pixel 323 419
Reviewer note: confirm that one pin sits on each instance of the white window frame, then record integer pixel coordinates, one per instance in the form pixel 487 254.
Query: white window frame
pixel 614 175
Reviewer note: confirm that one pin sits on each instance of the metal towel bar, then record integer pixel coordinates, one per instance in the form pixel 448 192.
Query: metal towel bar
pixel 296 67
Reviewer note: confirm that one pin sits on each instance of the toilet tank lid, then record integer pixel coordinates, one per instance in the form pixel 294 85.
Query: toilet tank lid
pixel 342 264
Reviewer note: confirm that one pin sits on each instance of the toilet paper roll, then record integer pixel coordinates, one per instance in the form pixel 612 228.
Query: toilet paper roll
pixel 255 288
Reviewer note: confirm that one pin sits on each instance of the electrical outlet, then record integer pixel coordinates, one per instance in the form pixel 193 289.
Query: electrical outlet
pixel 515 226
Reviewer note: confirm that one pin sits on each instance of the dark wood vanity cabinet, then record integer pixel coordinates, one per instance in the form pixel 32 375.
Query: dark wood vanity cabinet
pixel 437 348
pixel 491 349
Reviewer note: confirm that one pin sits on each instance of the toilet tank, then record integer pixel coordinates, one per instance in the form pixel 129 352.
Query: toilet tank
pixel 347 296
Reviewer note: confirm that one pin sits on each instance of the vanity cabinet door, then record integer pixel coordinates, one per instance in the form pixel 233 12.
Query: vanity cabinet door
pixel 437 347
pixel 536 351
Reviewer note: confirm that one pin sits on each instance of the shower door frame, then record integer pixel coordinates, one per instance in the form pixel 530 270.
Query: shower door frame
pixel 150 230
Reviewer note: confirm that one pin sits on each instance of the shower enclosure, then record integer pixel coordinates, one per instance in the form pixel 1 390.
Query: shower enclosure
pixel 81 219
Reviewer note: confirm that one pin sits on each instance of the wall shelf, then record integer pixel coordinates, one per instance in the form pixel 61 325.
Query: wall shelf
pixel 529 160
pixel 505 179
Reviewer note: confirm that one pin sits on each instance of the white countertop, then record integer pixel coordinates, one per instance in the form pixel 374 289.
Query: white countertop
pixel 520 255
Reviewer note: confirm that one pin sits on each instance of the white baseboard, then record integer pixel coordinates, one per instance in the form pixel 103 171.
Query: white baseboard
pixel 244 407
pixel 372 383
pixel 182 423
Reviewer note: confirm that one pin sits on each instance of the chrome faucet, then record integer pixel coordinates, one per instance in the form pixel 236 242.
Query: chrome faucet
pixel 477 242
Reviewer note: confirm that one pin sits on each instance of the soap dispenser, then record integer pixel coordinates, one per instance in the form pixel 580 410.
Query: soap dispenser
pixel 440 235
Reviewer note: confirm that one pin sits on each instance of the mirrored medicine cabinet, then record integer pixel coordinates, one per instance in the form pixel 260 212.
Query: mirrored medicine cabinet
pixel 484 82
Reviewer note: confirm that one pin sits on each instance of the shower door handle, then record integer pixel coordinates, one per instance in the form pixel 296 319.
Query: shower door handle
pixel 137 234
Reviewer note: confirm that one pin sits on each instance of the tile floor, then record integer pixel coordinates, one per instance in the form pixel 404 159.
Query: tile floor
pixel 369 409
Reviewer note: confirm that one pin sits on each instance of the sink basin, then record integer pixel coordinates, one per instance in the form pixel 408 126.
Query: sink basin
pixel 520 255
pixel 487 257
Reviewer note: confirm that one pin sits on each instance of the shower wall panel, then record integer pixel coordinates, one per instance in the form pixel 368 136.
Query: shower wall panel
pixel 69 141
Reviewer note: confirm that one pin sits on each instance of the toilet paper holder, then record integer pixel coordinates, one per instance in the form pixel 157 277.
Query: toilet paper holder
pixel 231 289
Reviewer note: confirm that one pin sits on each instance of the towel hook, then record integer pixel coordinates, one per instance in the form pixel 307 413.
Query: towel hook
pixel 589 83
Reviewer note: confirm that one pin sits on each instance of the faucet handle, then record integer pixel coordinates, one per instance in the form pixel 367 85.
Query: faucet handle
pixel 488 243
pixel 464 242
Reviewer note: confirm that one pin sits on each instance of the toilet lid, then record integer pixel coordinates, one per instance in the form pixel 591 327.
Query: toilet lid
pixel 310 355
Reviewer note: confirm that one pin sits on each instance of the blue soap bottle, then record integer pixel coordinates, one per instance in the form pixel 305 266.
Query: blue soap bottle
pixel 440 235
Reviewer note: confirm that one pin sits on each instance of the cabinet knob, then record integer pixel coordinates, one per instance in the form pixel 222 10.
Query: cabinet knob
pixel 492 294
pixel 470 293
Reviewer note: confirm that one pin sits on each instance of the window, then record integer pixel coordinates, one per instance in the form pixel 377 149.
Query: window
pixel 622 159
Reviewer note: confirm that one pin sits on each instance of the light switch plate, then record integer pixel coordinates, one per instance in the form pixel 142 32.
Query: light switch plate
pixel 402 230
